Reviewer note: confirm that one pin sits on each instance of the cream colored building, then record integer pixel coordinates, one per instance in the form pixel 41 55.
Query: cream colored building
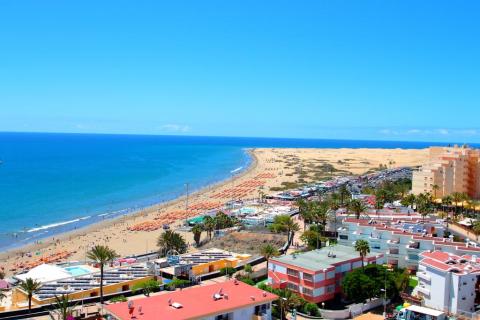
pixel 452 169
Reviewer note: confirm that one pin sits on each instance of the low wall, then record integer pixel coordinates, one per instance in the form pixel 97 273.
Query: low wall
pixel 352 311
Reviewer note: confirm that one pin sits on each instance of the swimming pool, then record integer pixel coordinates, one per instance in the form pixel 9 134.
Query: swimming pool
pixel 77 271
pixel 247 210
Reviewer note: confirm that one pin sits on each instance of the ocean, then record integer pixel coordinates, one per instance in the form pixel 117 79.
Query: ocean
pixel 52 183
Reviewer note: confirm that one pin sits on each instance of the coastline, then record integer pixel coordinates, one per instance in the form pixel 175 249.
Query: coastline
pixel 132 216
pixel 272 167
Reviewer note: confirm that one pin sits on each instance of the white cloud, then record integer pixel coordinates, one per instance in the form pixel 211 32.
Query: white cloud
pixel 388 132
pixel 414 131
pixel 443 131
pixel 171 127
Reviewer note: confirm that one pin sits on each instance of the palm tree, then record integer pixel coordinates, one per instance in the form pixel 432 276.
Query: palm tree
pixel 30 287
pixel 457 197
pixel 209 225
pixel 197 233
pixel 363 248
pixel 304 212
pixel 320 213
pixel 287 300
pixel 285 223
pixel 170 240
pixel 344 194
pixel 101 255
pixel 268 251
pixel 435 188
pixel 62 308
pixel 357 206
pixel 408 200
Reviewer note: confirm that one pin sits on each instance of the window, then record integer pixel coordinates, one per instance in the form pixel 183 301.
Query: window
pixel 308 277
pixel 307 292
pixel 343 237
pixel 330 288
pixel 292 272
pixel 292 286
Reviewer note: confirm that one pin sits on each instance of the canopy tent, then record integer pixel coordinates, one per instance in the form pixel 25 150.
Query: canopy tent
pixel 45 273
pixel 468 222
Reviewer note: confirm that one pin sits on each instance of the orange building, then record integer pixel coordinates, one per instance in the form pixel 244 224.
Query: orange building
pixel 450 169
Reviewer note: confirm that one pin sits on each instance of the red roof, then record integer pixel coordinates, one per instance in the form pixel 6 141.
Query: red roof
pixel 447 262
pixel 197 302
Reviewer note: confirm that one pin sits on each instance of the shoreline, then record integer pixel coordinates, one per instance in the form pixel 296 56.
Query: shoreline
pixel 269 169
pixel 132 215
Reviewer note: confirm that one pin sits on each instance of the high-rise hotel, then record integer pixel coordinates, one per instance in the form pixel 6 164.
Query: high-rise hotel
pixel 449 169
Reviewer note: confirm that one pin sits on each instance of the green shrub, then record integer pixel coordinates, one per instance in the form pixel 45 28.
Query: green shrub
pixel 311 309
pixel 118 299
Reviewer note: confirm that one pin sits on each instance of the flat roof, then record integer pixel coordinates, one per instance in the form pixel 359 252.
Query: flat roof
pixel 196 302
pixel 319 259
pixel 424 310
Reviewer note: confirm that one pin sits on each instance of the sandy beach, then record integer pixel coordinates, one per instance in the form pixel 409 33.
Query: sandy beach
pixel 270 170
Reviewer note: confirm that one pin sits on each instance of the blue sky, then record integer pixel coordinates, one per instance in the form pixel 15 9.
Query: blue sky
pixel 392 70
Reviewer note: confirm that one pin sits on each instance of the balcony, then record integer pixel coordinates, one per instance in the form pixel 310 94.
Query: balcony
pixel 393 242
pixel 423 290
pixel 424 276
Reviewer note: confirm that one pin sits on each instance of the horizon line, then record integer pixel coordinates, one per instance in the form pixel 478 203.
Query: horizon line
pixel 226 136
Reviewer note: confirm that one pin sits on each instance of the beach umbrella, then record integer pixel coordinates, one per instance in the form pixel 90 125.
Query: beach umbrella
pixel 398 308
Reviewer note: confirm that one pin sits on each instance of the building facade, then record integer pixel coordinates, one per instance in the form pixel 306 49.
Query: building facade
pixel 449 282
pixel 450 169
pixel 402 242
pixel 316 275
pixel 230 300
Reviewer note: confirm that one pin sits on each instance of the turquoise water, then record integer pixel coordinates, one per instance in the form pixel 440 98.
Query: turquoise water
pixel 52 183
pixel 77 271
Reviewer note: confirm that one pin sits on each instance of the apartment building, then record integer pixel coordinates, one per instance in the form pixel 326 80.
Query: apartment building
pixel 316 275
pixel 449 282
pixel 451 169
pixel 230 300
pixel 402 242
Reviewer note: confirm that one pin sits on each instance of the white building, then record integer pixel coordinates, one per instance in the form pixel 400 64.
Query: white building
pixel 449 282
pixel 402 242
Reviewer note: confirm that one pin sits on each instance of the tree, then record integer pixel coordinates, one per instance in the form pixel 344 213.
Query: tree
pixel 311 309
pixel 197 233
pixel 476 227
pixel 2 296
pixel 248 270
pixel 408 200
pixel 268 251
pixel 424 204
pixel 457 199
pixel 357 207
pixel 147 287
pixel 287 301
pixel 320 213
pixel 101 255
pixel 285 223
pixel 223 221
pixel 344 195
pixel 209 226
pixel 435 188
pixel 227 271
pixel 62 308
pixel 363 249
pixel 366 283
pixel 312 237
pixel 171 241
pixel 30 287
pixel 177 283
pixel 304 212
